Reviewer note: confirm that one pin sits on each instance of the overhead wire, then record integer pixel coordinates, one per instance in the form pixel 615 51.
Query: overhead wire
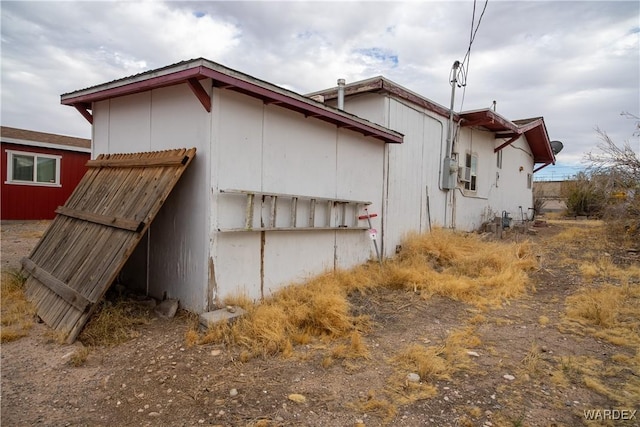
pixel 463 71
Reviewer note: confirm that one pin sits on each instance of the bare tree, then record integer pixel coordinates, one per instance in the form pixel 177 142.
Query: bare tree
pixel 620 164
pixel 628 115
pixel 615 171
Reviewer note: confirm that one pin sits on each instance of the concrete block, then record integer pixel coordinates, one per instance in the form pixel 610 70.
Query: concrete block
pixel 224 314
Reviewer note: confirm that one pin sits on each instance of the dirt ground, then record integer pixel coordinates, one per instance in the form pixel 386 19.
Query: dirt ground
pixel 155 379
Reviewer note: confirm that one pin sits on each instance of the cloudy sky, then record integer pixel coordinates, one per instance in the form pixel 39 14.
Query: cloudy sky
pixel 575 63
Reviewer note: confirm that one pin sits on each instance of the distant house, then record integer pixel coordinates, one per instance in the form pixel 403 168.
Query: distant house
pixel 41 171
pixel 487 172
pixel 551 195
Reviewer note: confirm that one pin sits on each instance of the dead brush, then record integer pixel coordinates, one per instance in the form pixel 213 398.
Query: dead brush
pixel 460 266
pixel 616 382
pixel 16 312
pixel 79 357
pixel 438 362
pixel 609 312
pixel 455 265
pixel 374 405
pixel 114 323
pixel 588 234
pixel 428 362
pixel 531 361
pixel 355 349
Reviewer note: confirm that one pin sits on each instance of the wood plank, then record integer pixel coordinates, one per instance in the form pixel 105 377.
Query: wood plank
pixel 108 220
pixel 200 93
pixel 294 212
pixel 272 212
pixel 235 230
pixel 82 253
pixel 290 196
pixel 249 212
pixel 57 286
pixel 138 162
pixel 312 213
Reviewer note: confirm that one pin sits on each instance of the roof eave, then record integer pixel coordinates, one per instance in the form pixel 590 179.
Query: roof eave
pixel 228 79
pixel 378 84
pixel 536 134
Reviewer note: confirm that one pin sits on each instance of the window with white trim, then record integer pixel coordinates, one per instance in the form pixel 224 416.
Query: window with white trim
pixel 33 168
pixel 470 172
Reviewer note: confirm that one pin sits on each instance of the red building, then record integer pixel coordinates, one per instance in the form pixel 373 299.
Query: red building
pixel 39 172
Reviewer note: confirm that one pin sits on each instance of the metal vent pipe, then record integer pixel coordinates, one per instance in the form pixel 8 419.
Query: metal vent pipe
pixel 341 83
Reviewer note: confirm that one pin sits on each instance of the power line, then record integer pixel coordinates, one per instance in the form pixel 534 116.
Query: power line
pixel 463 72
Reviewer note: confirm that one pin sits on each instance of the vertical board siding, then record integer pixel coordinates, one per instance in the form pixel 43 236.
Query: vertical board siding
pixel 173 262
pixel 34 202
pixel 266 148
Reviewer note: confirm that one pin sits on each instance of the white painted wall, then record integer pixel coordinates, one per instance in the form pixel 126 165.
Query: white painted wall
pixel 162 119
pixel 498 189
pixel 513 190
pixel 267 148
pixel 415 165
pixel 411 169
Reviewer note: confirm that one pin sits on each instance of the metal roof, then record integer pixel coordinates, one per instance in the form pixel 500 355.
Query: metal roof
pixel 51 140
pixel 192 71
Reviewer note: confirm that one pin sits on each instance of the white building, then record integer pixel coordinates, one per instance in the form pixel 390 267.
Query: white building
pixel 279 179
pixel 492 168
pixel 272 195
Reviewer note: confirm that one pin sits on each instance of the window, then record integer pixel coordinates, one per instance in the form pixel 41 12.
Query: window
pixel 529 180
pixel 32 168
pixel 499 159
pixel 471 172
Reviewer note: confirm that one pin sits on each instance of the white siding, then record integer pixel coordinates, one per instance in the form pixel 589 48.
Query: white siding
pixel 359 166
pixel 243 145
pixel 512 192
pixel 411 168
pixel 498 190
pixel 469 205
pixel 164 119
pixel 267 148
pixel 414 167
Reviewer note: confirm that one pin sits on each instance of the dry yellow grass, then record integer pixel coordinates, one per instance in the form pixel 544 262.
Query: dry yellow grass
pixel 460 266
pixel 531 361
pixel 380 407
pixel 609 312
pixel 607 307
pixel 16 313
pixel 356 348
pixel 587 235
pixel 114 323
pixel 79 357
pixel 543 320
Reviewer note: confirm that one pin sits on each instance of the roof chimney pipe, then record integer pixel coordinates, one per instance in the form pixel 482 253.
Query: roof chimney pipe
pixel 341 84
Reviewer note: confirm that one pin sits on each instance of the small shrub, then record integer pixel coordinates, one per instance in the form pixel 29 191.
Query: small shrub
pixel 584 196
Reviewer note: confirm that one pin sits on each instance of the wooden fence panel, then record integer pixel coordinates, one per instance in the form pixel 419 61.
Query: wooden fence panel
pixel 95 232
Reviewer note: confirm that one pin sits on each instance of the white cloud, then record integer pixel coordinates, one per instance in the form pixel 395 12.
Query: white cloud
pixel 575 63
